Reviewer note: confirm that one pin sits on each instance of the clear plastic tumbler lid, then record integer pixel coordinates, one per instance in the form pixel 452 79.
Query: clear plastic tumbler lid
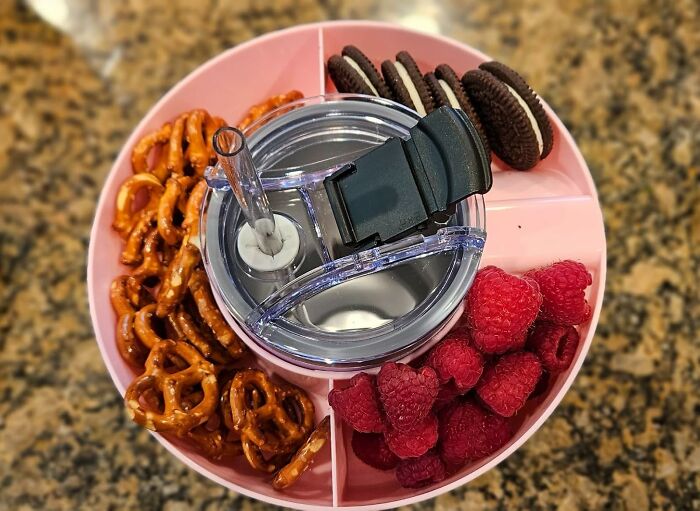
pixel 339 306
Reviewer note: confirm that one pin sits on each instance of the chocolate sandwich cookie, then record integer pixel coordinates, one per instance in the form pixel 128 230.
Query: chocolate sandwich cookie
pixel 447 90
pixel 513 118
pixel 354 72
pixel 406 83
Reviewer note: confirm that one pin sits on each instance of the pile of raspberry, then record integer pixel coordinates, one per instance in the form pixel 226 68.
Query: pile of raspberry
pixel 457 405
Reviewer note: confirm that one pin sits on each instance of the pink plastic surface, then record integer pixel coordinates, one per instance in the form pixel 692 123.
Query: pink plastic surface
pixel 533 218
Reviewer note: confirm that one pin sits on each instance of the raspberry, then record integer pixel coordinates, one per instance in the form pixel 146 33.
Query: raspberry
pixel 447 393
pixel 414 442
pixel 406 393
pixel 469 433
pixel 358 405
pixel 419 472
pixel 506 385
pixel 562 286
pixel 500 308
pixel 455 360
pixel 371 449
pixel 554 345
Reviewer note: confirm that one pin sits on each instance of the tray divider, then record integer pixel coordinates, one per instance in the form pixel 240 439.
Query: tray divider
pixel 338 465
pixel 322 62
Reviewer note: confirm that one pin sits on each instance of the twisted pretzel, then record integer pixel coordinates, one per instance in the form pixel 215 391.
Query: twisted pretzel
pixel 126 295
pixel 213 123
pixel 174 417
pixel 194 134
pixel 175 189
pixel 174 283
pixel 261 109
pixel 143 148
pixel 193 208
pixel 302 459
pixel 175 160
pixel 124 217
pixel 197 338
pixel 268 425
pixel 133 250
pixel 130 348
pixel 143 326
pixel 151 262
pixel 201 292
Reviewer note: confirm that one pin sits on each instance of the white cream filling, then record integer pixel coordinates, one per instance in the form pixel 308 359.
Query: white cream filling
pixel 410 86
pixel 359 70
pixel 528 112
pixel 450 94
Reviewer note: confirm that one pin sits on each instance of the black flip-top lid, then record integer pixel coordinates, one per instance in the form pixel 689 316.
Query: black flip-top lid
pixel 400 186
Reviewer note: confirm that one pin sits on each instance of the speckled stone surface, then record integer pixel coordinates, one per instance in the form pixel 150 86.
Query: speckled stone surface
pixel 77 75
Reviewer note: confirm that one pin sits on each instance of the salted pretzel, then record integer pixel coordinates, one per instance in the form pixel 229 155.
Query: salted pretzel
pixel 130 347
pixel 193 208
pixel 197 146
pixel 303 458
pixel 152 263
pixel 176 159
pixel 201 292
pixel 175 188
pixel 143 148
pixel 143 326
pixel 196 336
pixel 174 282
pixel 125 297
pixel 125 217
pixel 269 425
pixel 213 123
pixel 173 417
pixel 133 249
pixel 270 104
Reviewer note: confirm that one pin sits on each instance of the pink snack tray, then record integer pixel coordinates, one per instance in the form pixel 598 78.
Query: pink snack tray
pixel 533 218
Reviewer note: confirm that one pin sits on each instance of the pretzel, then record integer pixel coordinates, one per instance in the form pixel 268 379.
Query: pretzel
pixel 160 169
pixel 151 262
pixel 130 348
pixel 213 123
pixel 253 421
pixel 297 403
pixel 133 250
pixel 143 326
pixel 176 162
pixel 124 217
pixel 173 418
pixel 143 148
pixel 261 109
pixel 209 349
pixel 126 296
pixel 175 188
pixel 194 207
pixel 201 292
pixel 215 444
pixel 302 459
pixel 197 148
pixel 174 283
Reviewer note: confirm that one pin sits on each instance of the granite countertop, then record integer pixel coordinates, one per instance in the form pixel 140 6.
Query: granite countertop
pixel 77 75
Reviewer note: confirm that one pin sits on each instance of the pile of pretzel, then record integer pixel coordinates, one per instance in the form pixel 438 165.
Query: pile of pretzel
pixel 169 328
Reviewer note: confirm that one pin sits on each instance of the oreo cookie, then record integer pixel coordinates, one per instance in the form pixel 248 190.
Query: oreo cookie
pixel 446 89
pixel 353 72
pixel 406 83
pixel 517 127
